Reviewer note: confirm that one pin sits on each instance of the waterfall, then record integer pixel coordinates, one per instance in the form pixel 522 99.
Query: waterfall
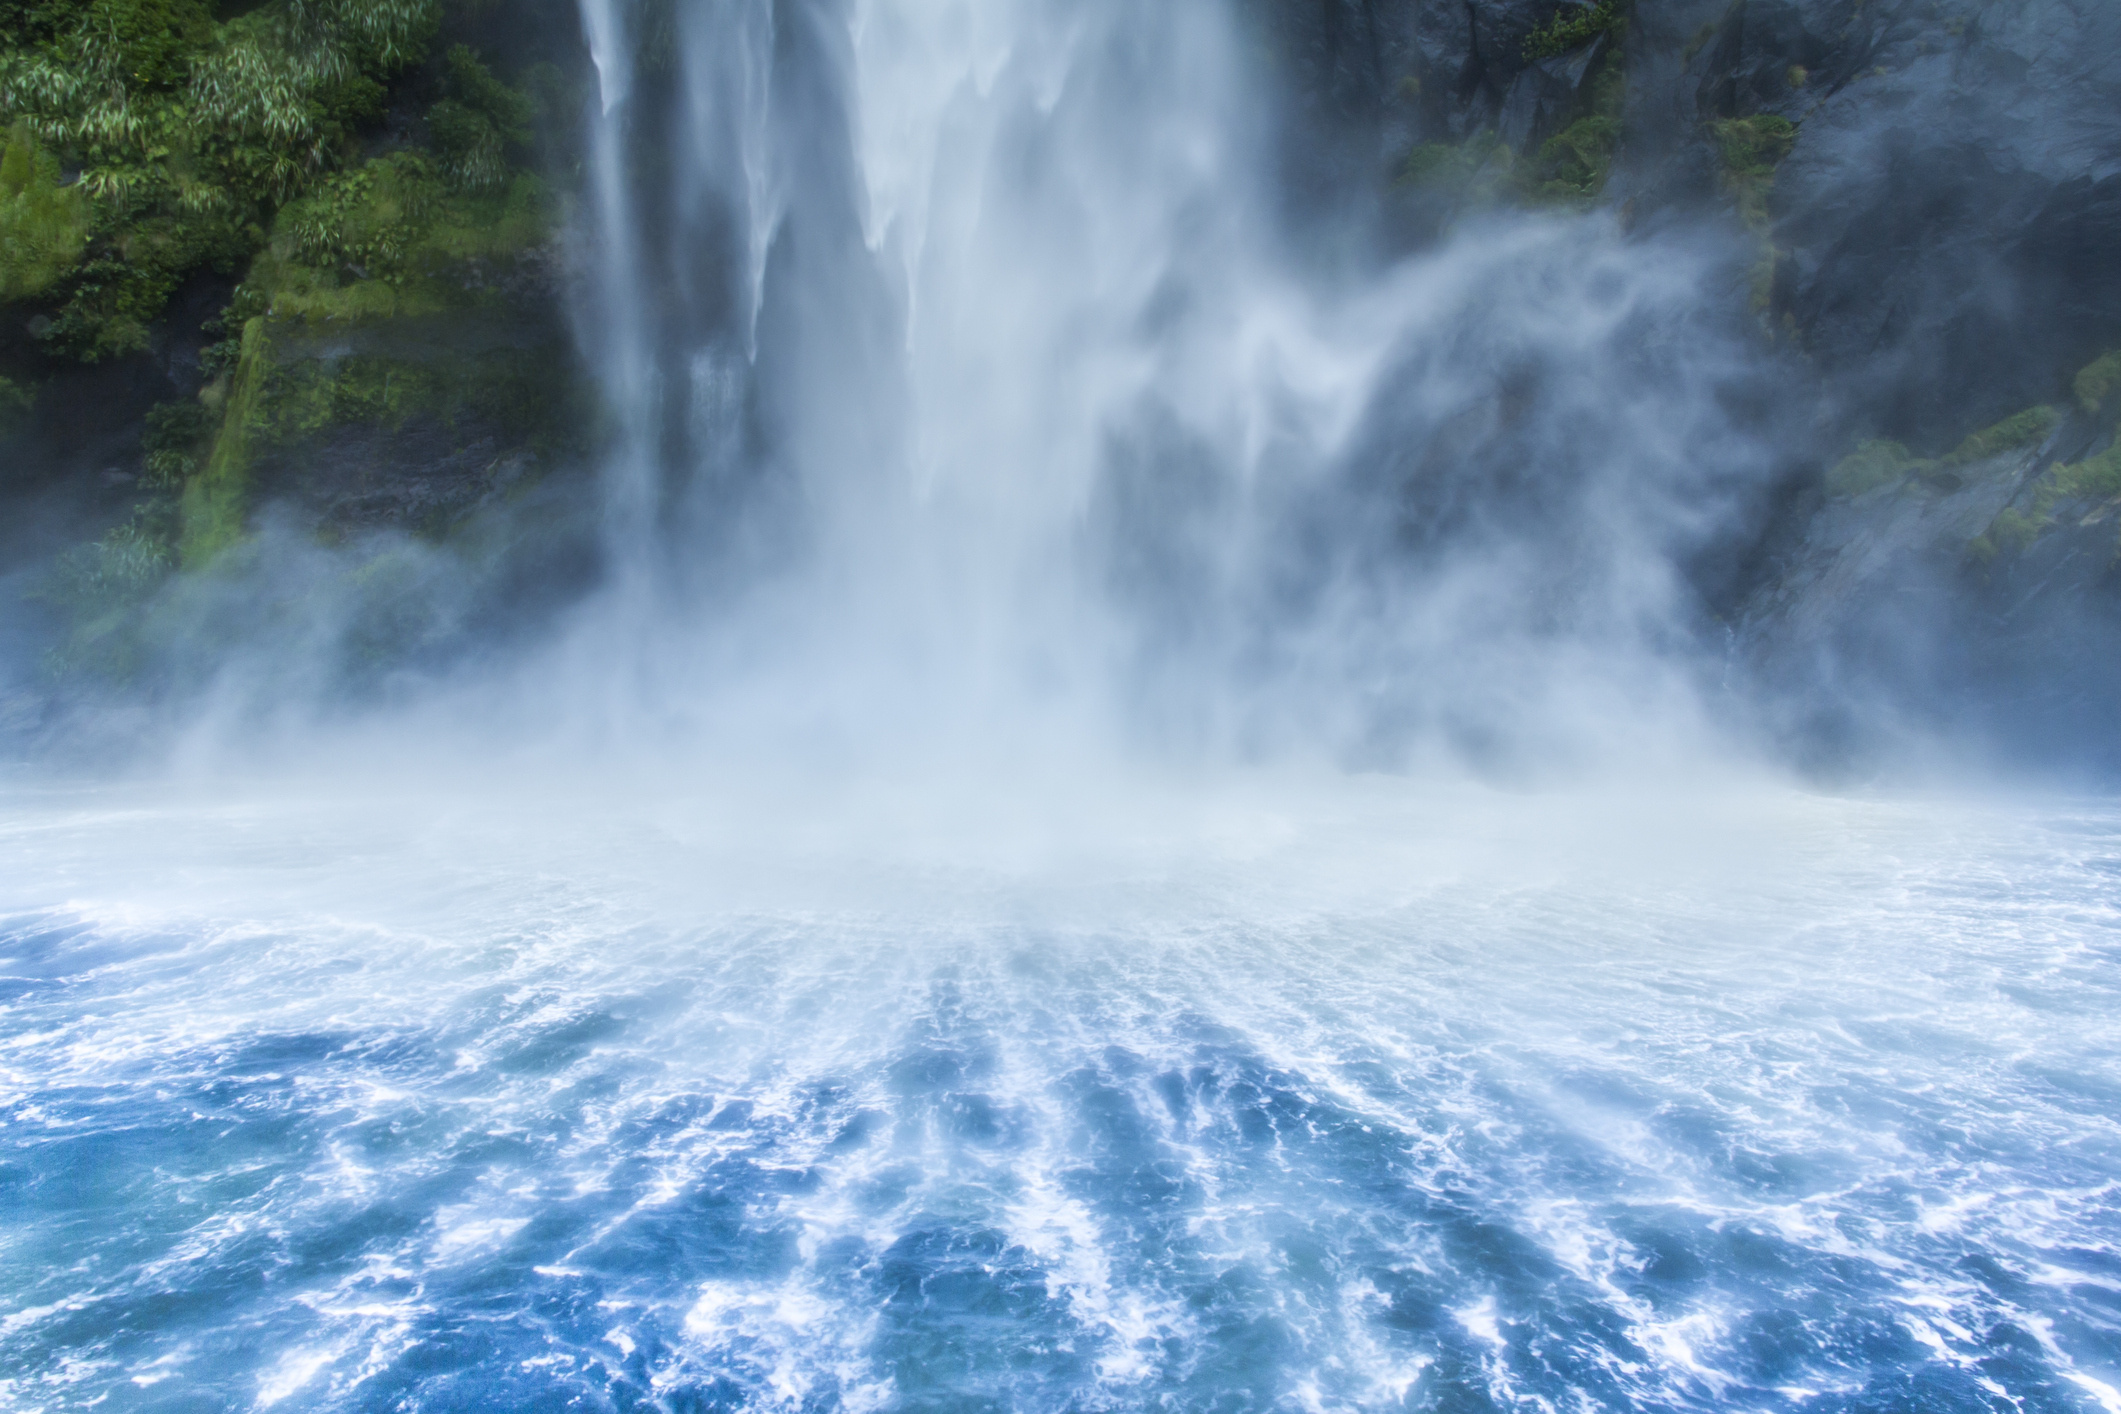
pixel 1133 809
pixel 969 397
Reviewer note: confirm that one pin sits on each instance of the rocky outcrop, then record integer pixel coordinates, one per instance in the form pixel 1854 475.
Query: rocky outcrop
pixel 1369 80
pixel 1943 225
pixel 379 356
pixel 1934 191
pixel 1946 220
pixel 1979 593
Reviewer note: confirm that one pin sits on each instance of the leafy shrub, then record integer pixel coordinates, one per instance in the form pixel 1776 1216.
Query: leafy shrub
pixel 43 226
pixel 189 134
pixel 368 219
pixel 477 123
pixel 176 438
pixel 1573 164
pixel 1574 26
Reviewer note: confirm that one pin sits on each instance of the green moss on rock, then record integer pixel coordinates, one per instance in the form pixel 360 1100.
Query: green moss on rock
pixel 43 226
pixel 1871 465
pixel 216 501
pixel 1574 26
pixel 2020 430
pixel 1751 149
pixel 1570 168
pixel 394 240
pixel 2096 478
pixel 2098 382
pixel 1573 165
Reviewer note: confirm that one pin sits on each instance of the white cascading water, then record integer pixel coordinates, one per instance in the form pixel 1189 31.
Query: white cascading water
pixel 988 910
pixel 965 333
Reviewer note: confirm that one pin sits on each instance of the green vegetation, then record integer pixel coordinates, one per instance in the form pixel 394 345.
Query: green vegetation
pixel 215 501
pixel 1871 465
pixel 1573 165
pixel 2098 382
pixel 2020 430
pixel 1752 148
pixel 1570 168
pixel 1477 172
pixel 143 141
pixel 2095 479
pixel 43 225
pixel 1574 26
pixel 102 588
pixel 187 133
pixel 393 238
pixel 1880 463
pixel 176 439
pixel 418 261
pixel 477 124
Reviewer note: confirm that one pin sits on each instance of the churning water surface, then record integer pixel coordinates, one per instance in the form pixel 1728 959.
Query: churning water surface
pixel 967 407
pixel 1363 1094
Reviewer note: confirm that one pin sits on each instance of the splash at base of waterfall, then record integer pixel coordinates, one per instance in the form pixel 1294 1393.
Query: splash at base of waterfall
pixel 1288 1095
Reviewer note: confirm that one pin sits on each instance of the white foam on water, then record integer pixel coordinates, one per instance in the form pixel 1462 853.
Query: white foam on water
pixel 1262 1017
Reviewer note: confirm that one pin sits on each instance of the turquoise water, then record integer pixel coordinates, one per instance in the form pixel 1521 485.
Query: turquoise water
pixel 1324 1096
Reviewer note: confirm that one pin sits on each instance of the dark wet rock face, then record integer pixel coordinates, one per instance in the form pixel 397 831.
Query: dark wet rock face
pixel 1368 79
pixel 1946 220
pixel 1934 191
pixel 1945 223
pixel 1952 209
pixel 1918 205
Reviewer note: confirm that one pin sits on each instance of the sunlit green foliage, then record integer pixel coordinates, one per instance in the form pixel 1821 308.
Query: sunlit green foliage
pixel 187 133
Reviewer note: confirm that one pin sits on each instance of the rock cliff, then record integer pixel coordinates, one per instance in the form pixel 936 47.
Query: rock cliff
pixel 308 261
pixel 1933 190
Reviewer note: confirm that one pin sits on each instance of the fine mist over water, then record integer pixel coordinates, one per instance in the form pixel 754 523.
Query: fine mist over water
pixel 976 395
pixel 971 404
pixel 1134 773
